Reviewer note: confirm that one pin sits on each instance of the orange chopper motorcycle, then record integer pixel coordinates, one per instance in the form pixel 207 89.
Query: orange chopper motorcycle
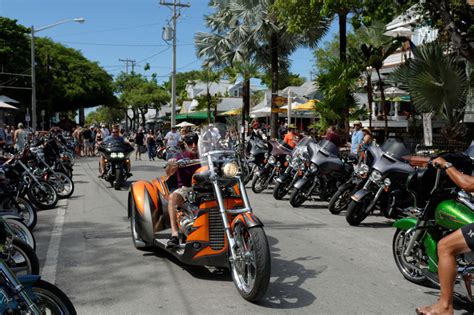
pixel 216 224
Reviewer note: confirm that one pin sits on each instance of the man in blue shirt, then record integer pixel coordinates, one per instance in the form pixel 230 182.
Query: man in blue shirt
pixel 357 136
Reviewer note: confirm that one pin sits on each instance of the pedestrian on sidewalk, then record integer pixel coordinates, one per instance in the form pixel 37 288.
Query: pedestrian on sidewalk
pixel 140 144
pixel 150 143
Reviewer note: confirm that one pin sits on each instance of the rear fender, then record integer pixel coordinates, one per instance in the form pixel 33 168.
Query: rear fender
pixel 145 204
pixel 248 219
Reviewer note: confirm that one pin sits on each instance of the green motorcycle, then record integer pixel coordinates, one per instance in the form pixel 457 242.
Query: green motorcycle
pixel 440 208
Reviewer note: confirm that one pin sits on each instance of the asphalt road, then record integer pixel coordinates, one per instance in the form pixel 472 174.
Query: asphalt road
pixel 320 265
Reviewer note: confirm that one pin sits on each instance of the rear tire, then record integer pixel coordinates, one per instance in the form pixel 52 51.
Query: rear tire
pixel 356 212
pixel 341 199
pixel 251 277
pixel 51 299
pixel 137 241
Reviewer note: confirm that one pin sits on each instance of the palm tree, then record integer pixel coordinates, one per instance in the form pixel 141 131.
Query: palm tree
pixel 251 28
pixel 376 48
pixel 437 83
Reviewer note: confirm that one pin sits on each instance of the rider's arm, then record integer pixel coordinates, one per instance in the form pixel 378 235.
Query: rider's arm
pixel 463 181
pixel 171 167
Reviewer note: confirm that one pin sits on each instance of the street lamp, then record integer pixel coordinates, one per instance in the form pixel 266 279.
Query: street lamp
pixel 33 62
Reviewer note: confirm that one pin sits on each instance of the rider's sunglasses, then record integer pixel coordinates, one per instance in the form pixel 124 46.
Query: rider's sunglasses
pixel 115 132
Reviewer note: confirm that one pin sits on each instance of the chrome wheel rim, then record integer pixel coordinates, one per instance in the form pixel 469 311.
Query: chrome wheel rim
pixel 244 268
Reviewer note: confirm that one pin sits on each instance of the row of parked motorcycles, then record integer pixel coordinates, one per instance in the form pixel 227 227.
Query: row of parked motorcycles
pixel 31 180
pixel 387 180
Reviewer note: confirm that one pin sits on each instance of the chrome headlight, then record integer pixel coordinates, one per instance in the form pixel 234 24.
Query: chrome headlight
pixel 113 155
pixel 313 167
pixel 362 170
pixel 230 169
pixel 387 182
pixel 271 159
pixel 120 155
pixel 375 176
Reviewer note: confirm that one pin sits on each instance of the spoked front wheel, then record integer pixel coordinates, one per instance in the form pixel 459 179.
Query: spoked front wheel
pixel 407 264
pixel 22 207
pixel 51 300
pixel 22 259
pixel 251 270
pixel 340 200
pixel 42 195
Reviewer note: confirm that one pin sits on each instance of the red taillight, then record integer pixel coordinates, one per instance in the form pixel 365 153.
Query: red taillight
pixel 286 163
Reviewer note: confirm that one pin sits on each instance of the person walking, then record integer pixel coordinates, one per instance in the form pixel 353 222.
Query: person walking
pixel 356 139
pixel 150 144
pixel 140 144
pixel 20 138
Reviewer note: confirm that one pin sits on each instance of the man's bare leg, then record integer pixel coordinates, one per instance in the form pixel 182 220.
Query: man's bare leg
pixel 175 201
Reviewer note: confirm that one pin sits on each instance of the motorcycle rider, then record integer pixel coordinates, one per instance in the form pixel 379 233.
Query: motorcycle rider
pixel 459 242
pixel 114 136
pixel 180 195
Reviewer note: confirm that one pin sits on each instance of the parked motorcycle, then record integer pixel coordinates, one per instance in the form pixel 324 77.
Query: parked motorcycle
pixel 295 170
pixel 275 166
pixel 341 199
pixel 257 151
pixel 385 187
pixel 325 173
pixel 116 153
pixel 439 208
pixel 217 226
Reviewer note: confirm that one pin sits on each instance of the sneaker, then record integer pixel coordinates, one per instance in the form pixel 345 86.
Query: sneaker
pixel 173 242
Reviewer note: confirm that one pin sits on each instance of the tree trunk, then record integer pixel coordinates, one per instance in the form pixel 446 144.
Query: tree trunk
pixel 208 105
pixel 143 111
pixel 274 71
pixel 81 116
pixel 369 96
pixel 215 112
pixel 384 107
pixel 342 35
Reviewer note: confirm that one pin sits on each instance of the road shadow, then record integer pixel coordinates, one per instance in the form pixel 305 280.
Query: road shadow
pixel 285 291
pixel 377 225
pixel 276 225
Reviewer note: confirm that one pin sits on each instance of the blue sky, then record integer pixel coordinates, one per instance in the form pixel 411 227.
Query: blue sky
pixel 127 29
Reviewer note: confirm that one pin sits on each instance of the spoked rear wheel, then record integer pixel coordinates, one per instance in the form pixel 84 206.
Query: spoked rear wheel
pixel 251 270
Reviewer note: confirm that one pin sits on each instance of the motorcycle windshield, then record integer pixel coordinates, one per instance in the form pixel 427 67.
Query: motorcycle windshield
pixel 395 148
pixel 328 147
pixel 117 145
pixel 302 146
pixel 217 146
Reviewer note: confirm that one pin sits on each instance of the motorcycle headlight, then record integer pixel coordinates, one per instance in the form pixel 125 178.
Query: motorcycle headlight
pixel 113 155
pixel 230 169
pixel 271 159
pixel 387 182
pixel 120 155
pixel 313 167
pixel 362 170
pixel 376 176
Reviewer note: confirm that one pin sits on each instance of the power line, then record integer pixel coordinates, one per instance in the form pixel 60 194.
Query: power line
pixel 125 45
pixel 127 61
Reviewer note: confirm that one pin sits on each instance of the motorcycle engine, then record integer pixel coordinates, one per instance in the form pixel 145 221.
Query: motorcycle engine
pixel 187 215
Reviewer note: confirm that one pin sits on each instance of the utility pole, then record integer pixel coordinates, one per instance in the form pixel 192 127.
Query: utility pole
pixel 129 61
pixel 174 4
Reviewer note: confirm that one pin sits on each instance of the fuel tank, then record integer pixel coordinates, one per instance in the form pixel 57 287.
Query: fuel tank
pixel 452 215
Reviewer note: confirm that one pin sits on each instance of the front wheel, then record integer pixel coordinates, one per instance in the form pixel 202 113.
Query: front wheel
pixel 258 183
pixel 408 265
pixel 51 300
pixel 251 270
pixel 118 178
pixel 42 195
pixel 21 232
pixel 63 184
pixel 22 259
pixel 280 190
pixel 356 212
pixel 22 207
pixel 299 196
pixel 341 199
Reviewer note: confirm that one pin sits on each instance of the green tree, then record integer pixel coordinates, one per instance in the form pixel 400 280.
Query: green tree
pixel 438 84
pixel 208 76
pixel 104 114
pixel 255 23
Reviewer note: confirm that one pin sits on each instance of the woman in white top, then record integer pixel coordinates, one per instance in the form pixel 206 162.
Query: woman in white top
pixel 20 138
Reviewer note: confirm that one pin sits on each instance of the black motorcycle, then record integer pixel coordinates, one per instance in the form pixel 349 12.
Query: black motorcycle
pixel 385 187
pixel 341 199
pixel 117 154
pixel 325 174
pixel 275 166
pixel 295 170
pixel 257 151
